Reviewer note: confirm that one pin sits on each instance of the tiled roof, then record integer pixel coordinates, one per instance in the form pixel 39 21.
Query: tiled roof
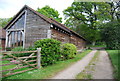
pixel 49 20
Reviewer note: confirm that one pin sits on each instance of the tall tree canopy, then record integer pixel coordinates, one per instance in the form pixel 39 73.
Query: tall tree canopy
pixel 85 18
pixel 111 34
pixel 115 10
pixel 50 12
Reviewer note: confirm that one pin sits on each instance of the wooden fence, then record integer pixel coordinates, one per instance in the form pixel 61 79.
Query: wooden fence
pixel 15 63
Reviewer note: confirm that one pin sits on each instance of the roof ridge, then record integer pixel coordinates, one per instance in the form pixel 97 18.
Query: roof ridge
pixel 49 20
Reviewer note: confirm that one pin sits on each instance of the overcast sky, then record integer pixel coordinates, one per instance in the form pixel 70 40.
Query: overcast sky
pixel 8 8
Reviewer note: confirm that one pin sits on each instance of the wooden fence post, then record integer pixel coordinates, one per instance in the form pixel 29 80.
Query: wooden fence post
pixel 38 57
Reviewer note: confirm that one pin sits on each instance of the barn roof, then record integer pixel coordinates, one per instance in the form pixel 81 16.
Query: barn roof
pixel 49 20
pixel 2 33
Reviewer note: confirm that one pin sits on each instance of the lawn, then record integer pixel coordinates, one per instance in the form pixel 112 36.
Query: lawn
pixel 49 71
pixel 114 56
pixel 10 67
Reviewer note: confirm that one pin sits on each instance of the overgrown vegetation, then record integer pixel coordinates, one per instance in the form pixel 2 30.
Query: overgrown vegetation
pixel 49 71
pixel 52 51
pixel 115 56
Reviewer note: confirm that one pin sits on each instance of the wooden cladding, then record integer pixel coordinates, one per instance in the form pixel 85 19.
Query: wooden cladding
pixel 30 26
pixel 65 38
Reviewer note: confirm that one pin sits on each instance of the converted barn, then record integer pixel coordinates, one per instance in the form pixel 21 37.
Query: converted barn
pixel 29 26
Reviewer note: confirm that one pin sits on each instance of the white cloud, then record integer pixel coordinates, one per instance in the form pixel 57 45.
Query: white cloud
pixel 9 8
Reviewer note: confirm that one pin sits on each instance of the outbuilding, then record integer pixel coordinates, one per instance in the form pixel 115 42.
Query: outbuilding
pixel 29 26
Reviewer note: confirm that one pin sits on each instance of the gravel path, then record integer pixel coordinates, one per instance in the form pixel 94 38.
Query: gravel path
pixel 103 68
pixel 72 71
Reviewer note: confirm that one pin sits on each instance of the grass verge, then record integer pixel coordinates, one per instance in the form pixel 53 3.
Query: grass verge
pixel 114 56
pixel 48 71
pixel 87 73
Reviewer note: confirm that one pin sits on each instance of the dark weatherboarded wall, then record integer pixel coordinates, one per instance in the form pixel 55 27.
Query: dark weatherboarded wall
pixel 60 36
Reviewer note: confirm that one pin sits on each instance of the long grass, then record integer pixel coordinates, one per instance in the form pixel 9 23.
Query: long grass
pixel 115 56
pixel 49 71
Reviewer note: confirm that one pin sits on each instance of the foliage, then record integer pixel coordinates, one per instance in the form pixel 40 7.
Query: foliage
pixel 111 35
pixel 4 21
pixel 50 52
pixel 17 49
pixel 114 9
pixel 68 50
pixel 50 12
pixel 85 18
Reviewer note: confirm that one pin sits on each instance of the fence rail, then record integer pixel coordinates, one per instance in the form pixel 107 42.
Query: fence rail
pixel 29 62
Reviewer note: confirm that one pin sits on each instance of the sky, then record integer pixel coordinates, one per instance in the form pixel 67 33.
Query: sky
pixel 8 8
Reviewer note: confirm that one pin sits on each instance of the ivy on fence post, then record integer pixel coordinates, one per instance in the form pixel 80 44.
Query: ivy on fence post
pixel 38 57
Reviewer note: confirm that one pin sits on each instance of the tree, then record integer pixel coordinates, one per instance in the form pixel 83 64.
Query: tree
pixel 85 18
pixel 115 10
pixel 50 12
pixel 4 21
pixel 111 34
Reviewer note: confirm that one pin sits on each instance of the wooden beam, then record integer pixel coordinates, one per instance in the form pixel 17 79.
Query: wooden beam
pixel 11 52
pixel 24 29
pixel 20 38
pixel 15 29
pixel 16 38
pixel 38 57
pixel 14 68
pixel 15 19
pixel 18 72
pixel 9 40
pixel 6 39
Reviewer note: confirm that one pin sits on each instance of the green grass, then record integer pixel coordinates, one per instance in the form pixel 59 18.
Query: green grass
pixel 97 46
pixel 49 71
pixel 114 56
pixel 10 67
pixel 86 74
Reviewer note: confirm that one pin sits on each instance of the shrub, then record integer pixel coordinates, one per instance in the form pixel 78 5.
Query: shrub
pixel 68 50
pixel 8 48
pixel 50 52
pixel 16 49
